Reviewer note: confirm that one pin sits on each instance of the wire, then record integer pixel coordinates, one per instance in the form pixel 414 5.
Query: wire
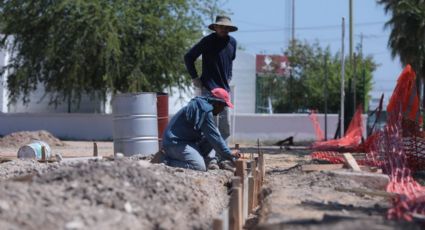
pixel 308 28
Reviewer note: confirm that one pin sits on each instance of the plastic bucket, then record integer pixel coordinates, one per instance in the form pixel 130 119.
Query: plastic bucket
pixel 33 150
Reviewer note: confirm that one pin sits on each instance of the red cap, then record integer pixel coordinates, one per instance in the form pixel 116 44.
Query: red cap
pixel 222 94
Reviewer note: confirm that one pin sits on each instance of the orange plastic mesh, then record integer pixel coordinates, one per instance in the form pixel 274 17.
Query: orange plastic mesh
pixel 316 125
pixel 406 95
pixel 351 139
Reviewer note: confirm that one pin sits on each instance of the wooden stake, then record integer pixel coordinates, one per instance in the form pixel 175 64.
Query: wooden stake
pixel 218 224
pixel 255 180
pixel 43 153
pixel 95 152
pixel 251 184
pixel 240 169
pixel 245 199
pixel 351 162
pixel 236 181
pixel 262 167
pixel 235 214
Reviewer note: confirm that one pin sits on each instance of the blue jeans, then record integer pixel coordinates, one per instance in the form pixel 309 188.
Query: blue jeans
pixel 189 155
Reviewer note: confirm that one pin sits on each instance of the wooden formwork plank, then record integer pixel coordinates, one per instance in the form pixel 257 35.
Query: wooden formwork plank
pixel 218 224
pixel 251 199
pixel 240 169
pixel 368 192
pixel 245 197
pixel 222 223
pixel 321 167
pixel 255 178
pixel 262 166
pixel 235 212
pixel 351 162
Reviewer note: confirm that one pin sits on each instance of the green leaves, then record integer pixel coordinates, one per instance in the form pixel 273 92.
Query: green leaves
pixel 407 38
pixel 305 88
pixel 75 46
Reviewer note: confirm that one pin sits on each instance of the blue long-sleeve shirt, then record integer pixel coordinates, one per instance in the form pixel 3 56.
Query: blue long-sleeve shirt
pixel 194 122
pixel 218 54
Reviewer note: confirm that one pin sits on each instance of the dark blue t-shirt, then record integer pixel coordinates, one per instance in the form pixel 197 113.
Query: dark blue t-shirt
pixel 218 54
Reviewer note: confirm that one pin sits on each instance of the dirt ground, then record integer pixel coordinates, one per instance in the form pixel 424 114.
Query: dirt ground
pixel 122 194
pixel 125 193
pixel 10 144
pixel 131 193
pixel 301 200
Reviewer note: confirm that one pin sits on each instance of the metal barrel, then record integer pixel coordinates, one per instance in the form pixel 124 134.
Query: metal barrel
pixel 162 107
pixel 135 123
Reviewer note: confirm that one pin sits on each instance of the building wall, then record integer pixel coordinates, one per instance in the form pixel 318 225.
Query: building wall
pixel 40 104
pixel 244 83
pixel 248 127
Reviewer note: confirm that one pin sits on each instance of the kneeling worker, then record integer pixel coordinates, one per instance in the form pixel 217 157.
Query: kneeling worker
pixel 192 134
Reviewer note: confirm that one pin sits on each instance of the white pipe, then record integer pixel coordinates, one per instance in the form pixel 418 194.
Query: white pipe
pixel 342 79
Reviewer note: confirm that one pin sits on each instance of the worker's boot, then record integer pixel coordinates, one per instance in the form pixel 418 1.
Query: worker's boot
pixel 159 157
pixel 212 165
pixel 227 165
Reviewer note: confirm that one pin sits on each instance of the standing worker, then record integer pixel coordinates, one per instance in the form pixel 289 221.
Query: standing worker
pixel 218 51
pixel 192 134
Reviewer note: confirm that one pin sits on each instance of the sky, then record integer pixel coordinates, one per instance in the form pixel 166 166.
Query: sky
pixel 264 27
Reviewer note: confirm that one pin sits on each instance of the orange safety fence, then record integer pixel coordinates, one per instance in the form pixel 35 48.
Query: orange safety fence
pixel 351 139
pixel 399 149
pixel 316 125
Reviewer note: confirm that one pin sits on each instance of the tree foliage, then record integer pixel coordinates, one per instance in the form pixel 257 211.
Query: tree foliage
pixel 304 88
pixel 407 37
pixel 76 46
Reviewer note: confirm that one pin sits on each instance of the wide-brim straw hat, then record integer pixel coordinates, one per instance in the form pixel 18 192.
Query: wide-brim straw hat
pixel 223 21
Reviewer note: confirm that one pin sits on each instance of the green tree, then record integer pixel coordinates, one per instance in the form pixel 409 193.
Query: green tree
pixel 304 89
pixel 75 46
pixel 407 37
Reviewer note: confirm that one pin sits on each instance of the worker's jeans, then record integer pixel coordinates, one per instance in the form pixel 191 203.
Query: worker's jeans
pixel 222 121
pixel 189 155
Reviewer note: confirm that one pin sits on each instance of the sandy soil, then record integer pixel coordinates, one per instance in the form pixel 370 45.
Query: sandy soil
pixel 122 194
pixel 131 193
pixel 300 200
pixel 10 144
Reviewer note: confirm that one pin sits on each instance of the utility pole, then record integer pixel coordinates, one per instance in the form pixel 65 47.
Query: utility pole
pixel 351 30
pixel 354 82
pixel 341 129
pixel 293 25
pixel 365 105
pixel 326 97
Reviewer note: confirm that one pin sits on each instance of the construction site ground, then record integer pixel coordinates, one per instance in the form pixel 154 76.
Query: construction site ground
pixel 131 193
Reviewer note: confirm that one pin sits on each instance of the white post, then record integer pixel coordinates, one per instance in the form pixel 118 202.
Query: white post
pixel 342 79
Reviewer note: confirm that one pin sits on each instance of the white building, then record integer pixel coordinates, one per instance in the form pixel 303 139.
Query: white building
pixel 243 94
pixel 242 85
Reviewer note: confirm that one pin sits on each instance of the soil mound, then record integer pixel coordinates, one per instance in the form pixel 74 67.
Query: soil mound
pixel 125 194
pixel 18 139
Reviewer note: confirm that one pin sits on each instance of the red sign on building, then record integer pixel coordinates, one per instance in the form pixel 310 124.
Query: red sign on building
pixel 271 64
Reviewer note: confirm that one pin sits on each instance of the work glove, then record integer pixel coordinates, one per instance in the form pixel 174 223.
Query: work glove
pixel 197 82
